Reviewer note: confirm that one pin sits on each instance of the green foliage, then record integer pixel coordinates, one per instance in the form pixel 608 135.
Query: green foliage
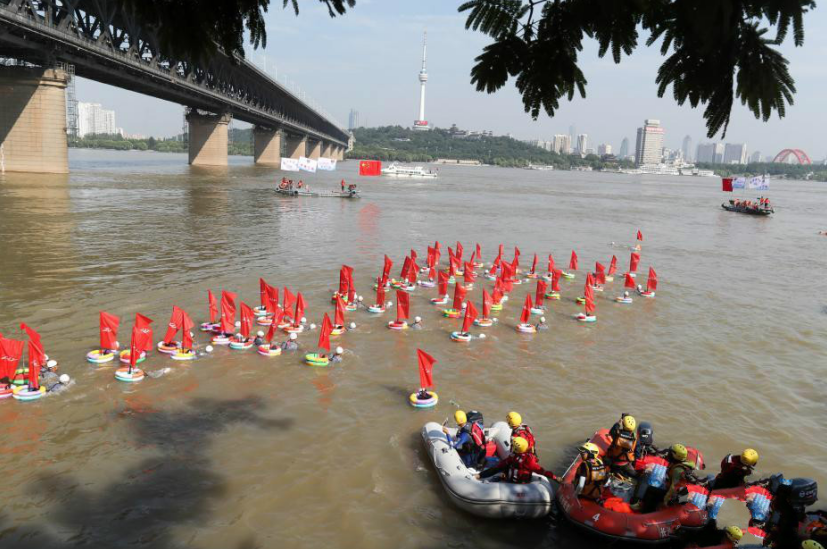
pixel 719 51
pixel 777 169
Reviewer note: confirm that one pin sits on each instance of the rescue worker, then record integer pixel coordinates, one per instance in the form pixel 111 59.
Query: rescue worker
pixel 469 442
pixel 714 537
pixel 735 469
pixel 811 544
pixel 521 430
pixel 678 472
pixel 620 455
pixel 591 475
pixel 519 466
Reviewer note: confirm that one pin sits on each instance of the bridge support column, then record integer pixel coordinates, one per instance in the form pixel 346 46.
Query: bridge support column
pixel 328 150
pixel 33 120
pixel 208 138
pixel 296 146
pixel 314 149
pixel 267 146
pixel 338 152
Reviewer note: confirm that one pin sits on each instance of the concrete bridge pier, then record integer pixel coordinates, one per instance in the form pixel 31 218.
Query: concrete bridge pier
pixel 33 120
pixel 328 150
pixel 267 146
pixel 296 146
pixel 208 138
pixel 314 149
pixel 338 152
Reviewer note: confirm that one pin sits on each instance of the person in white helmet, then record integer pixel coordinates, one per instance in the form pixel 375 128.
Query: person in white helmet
pixel 417 325
pixel 259 340
pixel 290 344
pixel 62 383
pixel 337 356
pixel 542 324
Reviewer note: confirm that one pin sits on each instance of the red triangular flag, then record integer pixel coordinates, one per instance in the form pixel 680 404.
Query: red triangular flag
pixel 426 366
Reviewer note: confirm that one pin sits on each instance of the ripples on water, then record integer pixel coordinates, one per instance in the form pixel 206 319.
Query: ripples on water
pixel 241 451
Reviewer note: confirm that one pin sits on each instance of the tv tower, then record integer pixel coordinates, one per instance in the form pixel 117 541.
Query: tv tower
pixel 421 123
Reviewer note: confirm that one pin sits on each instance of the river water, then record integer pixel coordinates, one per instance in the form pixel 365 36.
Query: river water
pixel 239 451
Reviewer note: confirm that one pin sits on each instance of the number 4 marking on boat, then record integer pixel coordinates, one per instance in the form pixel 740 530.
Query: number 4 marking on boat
pixel 596 517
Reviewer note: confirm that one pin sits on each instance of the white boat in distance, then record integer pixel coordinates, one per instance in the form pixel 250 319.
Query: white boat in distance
pixel 418 172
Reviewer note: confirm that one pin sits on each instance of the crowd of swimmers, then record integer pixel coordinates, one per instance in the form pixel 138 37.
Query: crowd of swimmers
pixel 624 461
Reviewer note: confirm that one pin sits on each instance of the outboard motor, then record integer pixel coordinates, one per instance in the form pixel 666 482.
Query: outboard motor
pixel 803 492
pixel 645 439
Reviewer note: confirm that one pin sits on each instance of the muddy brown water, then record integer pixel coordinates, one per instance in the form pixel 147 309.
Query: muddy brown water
pixel 239 451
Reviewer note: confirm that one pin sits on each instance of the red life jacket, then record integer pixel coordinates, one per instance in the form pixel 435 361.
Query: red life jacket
pixel 477 435
pixel 520 467
pixel 524 431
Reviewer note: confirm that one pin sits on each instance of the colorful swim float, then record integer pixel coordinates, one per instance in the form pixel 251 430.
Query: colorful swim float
pixel 285 324
pixel 484 322
pixel 220 339
pixel 538 310
pixel 315 359
pixel 337 330
pixel 123 374
pixel 526 328
pixel 496 306
pixel 568 275
pixel 586 318
pixel 126 354
pixel 440 300
pixel 25 394
pixel 610 278
pixel 533 275
pixel 477 265
pixel 468 287
pixel 646 294
pixel 260 311
pixel 461 337
pixel 490 276
pixel 451 313
pixel 100 356
pixel 268 350
pixel 452 280
pixel 168 349
pixel 376 309
pixel 427 283
pixel 597 288
pixel 516 281
pixel 294 328
pixel 241 344
pixel 183 354
pixel 23 372
pixel 621 299
pixel 552 295
pixel 209 326
pixel 264 320
pixel 427 403
pixel 396 325
pixel 352 306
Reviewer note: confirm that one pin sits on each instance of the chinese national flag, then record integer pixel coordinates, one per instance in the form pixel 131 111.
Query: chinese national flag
pixel 726 183
pixel 370 167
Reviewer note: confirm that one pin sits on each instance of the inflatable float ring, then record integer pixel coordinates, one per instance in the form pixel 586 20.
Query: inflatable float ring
pixel 337 330
pixel 610 278
pixel 351 306
pixel 284 324
pixel 25 394
pixel 568 275
pixel 376 309
pixel 581 300
pixel 623 299
pixel 168 349
pixel 460 337
pixel 260 311
pixel 209 327
pixel 294 329
pixel 124 356
pixel 496 306
pixel 440 300
pixel 183 355
pixel 427 403
pixel 538 310
pixel 122 374
pixel 6 393
pixel 398 325
pixel 265 350
pixel 650 295
pixel 427 283
pixel 99 357
pixel 526 328
pixel 237 345
pixel 584 318
pixel 450 313
pixel 484 322
pixel 315 359
pixel 220 339
pixel 552 295
pixel 489 276
pixel 264 320
pixel 532 275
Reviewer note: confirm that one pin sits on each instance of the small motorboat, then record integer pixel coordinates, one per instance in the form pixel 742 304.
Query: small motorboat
pixel 489 498
pixel 749 211
pixel 352 193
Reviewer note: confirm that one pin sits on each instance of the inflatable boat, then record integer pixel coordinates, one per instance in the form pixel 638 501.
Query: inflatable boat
pixel 656 527
pixel 489 498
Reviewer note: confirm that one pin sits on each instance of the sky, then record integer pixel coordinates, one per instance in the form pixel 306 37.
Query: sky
pixel 370 58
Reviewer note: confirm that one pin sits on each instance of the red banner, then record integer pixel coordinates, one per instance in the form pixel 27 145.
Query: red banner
pixel 426 366
pixel 469 318
pixel 370 167
pixel 726 184
pixel 227 312
pixel 324 334
pixel 573 261
pixel 108 330
pixel 213 306
pixel 402 306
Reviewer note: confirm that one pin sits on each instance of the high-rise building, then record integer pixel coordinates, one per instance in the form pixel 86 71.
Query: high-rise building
pixel 562 144
pixel 353 119
pixel 649 145
pixel 540 143
pixel 756 157
pixel 573 133
pixel 95 120
pixel 604 149
pixel 582 143
pixel 735 153
pixel 624 147
pixel 686 149
pixel 421 123
pixel 709 153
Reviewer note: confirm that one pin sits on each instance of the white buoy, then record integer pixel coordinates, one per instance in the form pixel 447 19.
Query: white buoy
pixel 352 325
pixel 208 348
pixel 117 345
pixel 360 299
pixel 542 319
pixel 418 319
pixel 293 336
pixel 390 303
pixel 64 378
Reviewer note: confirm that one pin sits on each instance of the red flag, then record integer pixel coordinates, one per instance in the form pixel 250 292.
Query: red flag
pixel 108 330
pixel 343 282
pixel 458 253
pixel 534 265
pixel 431 257
pixel 478 252
pixel 469 318
pixel 468 273
pixel 413 272
pixel 442 283
pixel 550 263
pixel 324 334
pixel 402 305
pixel 432 274
pixel 35 362
pixel 186 335
pixel 142 323
pixel 213 307
pixel 486 304
pixel 555 280
pixel 495 266
pixel 459 296
pixel 588 290
pixel 573 261
pixel 589 306
pixel 497 296
pixel 629 282
pixel 386 271
pixel 612 266
pixel 339 315
pixel 300 305
pixel 406 267
pixel 174 325
pixel 272 299
pixel 414 255
pixel 278 314
pixel 540 293
pixel 37 357
pixel 633 261
pixel 262 292
pixel 380 292
pixel 454 265
pixel 227 312
pixel 10 352
pixel 34 336
pixel 370 167
pixel 426 366
pixel 639 235
pixel 526 314
pixel 599 273
pixel 726 184
pixel 652 281
pixel 288 301
pixel 246 320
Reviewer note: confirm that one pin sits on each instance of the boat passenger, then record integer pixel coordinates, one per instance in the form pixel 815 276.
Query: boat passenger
pixel 620 456
pixel 519 467
pixel 735 469
pixel 542 324
pixel 290 344
pixel 712 536
pixel 591 475
pixel 470 440
pixel 811 544
pixel 678 472
pixel 343 185
pixel 259 340
pixel 417 325
pixel 301 183
pixel 521 430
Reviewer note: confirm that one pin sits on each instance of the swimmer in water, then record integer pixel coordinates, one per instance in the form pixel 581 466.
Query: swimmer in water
pixel 290 344
pixel 417 325
pixel 259 340
pixel 542 324
pixel 337 356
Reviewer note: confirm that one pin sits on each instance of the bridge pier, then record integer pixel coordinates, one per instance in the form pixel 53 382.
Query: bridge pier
pixel 267 146
pixel 296 145
pixel 328 150
pixel 208 138
pixel 338 152
pixel 314 149
pixel 33 120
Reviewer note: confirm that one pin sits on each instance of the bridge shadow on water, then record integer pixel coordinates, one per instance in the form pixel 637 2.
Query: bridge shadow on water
pixel 145 506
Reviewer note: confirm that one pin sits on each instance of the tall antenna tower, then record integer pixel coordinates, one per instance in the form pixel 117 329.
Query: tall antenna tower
pixel 422 123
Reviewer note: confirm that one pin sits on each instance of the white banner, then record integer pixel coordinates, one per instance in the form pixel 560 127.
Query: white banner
pixel 289 164
pixel 739 183
pixel 759 183
pixel 326 164
pixel 307 164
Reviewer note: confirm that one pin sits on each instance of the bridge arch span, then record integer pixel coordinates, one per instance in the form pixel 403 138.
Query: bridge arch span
pixel 800 155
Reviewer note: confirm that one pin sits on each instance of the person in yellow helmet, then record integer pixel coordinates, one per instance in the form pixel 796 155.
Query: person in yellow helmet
pixel 811 544
pixel 520 429
pixel 735 469
pixel 519 466
pixel 620 455
pixel 678 472
pixel 591 474
pixel 469 441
